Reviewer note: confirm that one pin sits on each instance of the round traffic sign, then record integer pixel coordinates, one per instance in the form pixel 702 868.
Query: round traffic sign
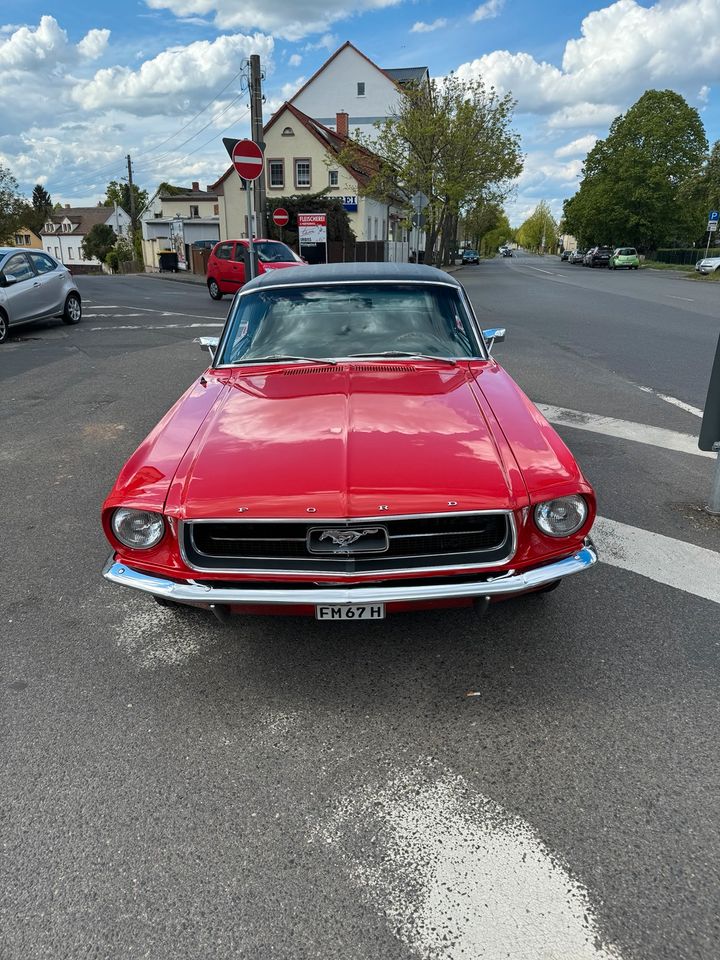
pixel 247 158
pixel 280 217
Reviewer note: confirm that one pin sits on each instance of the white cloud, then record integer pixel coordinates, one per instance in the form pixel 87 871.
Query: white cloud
pixel 703 93
pixel 577 147
pixel 328 41
pixel 29 48
pixel 583 115
pixel 283 18
pixel 295 60
pixel 174 81
pixel 623 49
pixel 486 11
pixel 421 27
pixel 94 44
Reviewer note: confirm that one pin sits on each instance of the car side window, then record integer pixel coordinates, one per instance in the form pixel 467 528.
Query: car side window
pixel 239 254
pixel 19 267
pixel 224 251
pixel 42 263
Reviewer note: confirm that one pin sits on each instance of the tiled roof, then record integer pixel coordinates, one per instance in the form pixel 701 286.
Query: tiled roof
pixel 83 219
pixel 407 74
pixel 186 193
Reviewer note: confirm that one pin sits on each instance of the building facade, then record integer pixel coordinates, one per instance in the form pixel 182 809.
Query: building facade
pixel 175 219
pixel 65 230
pixel 350 83
pixel 303 155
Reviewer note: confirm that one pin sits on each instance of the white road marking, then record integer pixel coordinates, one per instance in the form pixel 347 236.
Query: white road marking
pixel 164 326
pixel 624 429
pixel 460 878
pixel 695 411
pixel 550 273
pixel 675 563
pixel 687 299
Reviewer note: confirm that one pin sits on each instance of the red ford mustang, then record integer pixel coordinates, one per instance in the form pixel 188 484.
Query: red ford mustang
pixel 352 450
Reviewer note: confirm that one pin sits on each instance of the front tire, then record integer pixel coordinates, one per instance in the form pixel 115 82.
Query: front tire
pixel 214 290
pixel 4 327
pixel 72 313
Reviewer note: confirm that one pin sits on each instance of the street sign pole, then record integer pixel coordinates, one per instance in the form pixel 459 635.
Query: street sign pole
pixel 251 245
pixel 713 506
pixel 709 438
pixel 711 228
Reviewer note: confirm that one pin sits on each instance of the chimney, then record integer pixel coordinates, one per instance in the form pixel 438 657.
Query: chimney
pixel 342 123
pixel 67 206
pixel 196 185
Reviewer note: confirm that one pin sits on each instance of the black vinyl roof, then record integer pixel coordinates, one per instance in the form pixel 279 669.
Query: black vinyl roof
pixel 350 273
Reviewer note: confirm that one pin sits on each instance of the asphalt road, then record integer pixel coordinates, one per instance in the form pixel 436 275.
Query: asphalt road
pixel 540 783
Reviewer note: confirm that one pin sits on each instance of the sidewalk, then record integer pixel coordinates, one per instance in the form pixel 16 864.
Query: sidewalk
pixel 194 278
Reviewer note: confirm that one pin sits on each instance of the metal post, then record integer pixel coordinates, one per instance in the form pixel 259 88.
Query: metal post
pixel 713 506
pixel 707 245
pixel 256 126
pixel 251 245
pixel 132 201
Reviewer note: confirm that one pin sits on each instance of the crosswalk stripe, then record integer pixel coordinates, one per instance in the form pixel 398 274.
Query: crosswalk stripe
pixel 675 563
pixel 623 429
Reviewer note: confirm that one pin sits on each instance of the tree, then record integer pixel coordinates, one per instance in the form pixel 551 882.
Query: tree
pixel 451 141
pixel 41 207
pixel 12 205
pixel 99 242
pixel 702 191
pixel 118 192
pixel 540 230
pixel 633 181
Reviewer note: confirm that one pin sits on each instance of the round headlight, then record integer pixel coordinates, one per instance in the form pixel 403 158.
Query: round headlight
pixel 561 517
pixel 140 529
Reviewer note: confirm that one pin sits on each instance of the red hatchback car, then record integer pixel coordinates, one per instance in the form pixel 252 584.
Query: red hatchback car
pixel 353 449
pixel 226 266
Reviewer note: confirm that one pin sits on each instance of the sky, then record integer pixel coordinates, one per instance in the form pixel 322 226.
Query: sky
pixel 85 84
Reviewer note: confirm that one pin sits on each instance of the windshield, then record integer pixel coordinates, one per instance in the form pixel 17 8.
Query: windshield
pixel 346 319
pixel 272 251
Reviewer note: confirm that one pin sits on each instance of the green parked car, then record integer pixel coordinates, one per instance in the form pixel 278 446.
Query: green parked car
pixel 624 257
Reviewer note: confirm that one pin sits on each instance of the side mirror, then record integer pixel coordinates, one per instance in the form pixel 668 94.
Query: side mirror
pixel 493 335
pixel 208 343
pixel 7 279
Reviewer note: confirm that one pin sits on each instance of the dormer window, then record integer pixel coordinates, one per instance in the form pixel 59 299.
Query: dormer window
pixel 288 132
pixel 67 226
pixel 49 227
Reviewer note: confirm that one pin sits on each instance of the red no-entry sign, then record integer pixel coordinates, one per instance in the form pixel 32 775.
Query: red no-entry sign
pixel 247 158
pixel 280 217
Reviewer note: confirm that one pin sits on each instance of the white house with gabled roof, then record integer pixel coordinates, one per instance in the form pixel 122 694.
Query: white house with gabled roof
pixel 349 82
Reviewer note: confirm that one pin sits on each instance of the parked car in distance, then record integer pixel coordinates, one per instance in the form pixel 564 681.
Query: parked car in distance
pixel 577 256
pixel 597 257
pixel 35 286
pixel 226 265
pixel 470 256
pixel 298 475
pixel 708 265
pixel 624 257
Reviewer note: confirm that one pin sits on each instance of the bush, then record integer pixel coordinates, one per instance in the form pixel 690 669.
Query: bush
pixel 113 261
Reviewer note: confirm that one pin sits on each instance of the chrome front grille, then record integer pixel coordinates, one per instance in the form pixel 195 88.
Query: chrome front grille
pixel 376 545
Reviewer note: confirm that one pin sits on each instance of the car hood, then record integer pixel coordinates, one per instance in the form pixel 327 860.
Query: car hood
pixel 347 440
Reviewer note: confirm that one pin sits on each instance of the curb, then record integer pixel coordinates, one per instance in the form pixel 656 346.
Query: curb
pixel 175 278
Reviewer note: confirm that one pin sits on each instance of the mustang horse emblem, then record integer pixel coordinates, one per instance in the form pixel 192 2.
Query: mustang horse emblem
pixel 343 538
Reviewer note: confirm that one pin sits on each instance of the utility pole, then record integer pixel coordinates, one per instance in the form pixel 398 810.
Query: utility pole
pixel 256 128
pixel 132 199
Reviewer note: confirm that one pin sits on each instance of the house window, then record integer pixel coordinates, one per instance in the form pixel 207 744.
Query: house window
pixel 288 132
pixel 361 89
pixel 49 227
pixel 57 252
pixel 194 211
pixel 302 173
pixel 70 253
pixel 333 178
pixel 67 227
pixel 277 174
pixel 216 209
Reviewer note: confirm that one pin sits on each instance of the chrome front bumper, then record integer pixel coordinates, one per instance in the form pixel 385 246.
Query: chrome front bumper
pixel 190 591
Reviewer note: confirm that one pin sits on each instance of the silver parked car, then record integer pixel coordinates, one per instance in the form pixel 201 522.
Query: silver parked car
pixel 708 265
pixel 35 286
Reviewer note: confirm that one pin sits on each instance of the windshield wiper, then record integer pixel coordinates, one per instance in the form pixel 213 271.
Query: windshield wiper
pixel 278 357
pixel 404 353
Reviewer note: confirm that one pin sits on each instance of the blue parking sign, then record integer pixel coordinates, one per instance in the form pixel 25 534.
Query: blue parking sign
pixel 713 215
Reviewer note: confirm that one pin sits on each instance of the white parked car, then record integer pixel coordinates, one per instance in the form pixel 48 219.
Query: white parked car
pixel 35 286
pixel 708 265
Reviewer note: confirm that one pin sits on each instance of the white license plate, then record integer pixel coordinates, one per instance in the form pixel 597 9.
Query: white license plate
pixel 348 611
